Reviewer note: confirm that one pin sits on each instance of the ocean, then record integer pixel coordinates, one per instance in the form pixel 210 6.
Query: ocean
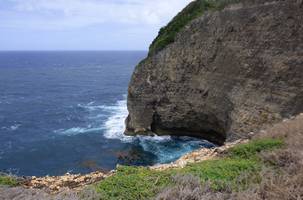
pixel 64 111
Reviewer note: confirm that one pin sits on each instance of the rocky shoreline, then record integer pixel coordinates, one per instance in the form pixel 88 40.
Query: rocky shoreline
pixel 76 182
pixel 74 186
pixel 71 185
pixel 199 155
pixel 54 184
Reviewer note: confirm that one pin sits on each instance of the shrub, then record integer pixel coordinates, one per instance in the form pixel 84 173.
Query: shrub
pixel 131 183
pixel 251 149
pixel 8 180
pixel 222 173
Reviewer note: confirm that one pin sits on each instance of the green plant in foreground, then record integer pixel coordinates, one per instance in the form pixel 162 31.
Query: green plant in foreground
pixel 222 172
pixel 133 183
pixel 130 183
pixel 7 180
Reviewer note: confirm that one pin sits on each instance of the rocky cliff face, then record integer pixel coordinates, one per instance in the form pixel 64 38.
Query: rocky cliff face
pixel 227 73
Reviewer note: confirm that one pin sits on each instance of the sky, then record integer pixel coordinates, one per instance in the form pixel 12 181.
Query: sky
pixel 83 24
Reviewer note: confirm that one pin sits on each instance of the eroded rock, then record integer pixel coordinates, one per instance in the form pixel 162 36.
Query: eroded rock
pixel 228 73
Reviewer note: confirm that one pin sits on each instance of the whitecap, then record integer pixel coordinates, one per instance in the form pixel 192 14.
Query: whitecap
pixel 90 103
pixel 15 127
pixel 92 121
pixel 114 126
pixel 166 148
pixel 12 127
pixel 170 149
pixel 90 106
pixel 77 130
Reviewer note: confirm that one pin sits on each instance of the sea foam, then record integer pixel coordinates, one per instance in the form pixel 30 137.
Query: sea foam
pixel 76 131
pixel 166 148
pixel 109 120
pixel 115 124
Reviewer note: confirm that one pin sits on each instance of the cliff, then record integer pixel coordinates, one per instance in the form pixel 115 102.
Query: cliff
pixel 222 72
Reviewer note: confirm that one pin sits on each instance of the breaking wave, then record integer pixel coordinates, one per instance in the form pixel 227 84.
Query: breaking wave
pixel 109 121
pixel 76 131
pixel 114 125
pixel 166 148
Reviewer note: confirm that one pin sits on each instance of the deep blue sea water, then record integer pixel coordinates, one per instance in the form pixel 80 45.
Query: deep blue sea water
pixel 64 112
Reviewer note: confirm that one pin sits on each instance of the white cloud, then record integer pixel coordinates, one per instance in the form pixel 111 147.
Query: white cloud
pixel 67 14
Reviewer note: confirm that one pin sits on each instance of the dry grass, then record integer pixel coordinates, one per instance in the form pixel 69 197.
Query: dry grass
pixel 280 179
pixel 283 180
pixel 188 187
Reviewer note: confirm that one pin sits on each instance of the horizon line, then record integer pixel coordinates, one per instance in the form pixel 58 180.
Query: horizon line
pixel 77 50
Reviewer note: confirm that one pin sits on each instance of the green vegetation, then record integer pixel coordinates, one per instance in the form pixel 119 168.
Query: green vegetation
pixel 251 149
pixel 134 183
pixel 195 9
pixel 7 180
pixel 142 183
pixel 222 173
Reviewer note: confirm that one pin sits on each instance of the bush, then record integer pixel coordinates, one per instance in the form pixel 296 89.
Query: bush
pixel 222 173
pixel 8 180
pixel 255 146
pixel 130 183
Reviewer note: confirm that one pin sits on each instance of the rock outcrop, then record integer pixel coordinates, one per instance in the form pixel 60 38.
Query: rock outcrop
pixel 227 73
pixel 199 156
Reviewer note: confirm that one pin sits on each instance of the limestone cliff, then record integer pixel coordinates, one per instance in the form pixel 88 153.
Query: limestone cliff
pixel 226 73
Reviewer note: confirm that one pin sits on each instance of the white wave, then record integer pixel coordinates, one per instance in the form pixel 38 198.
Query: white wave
pixel 11 128
pixel 155 138
pixel 90 107
pixel 15 127
pixel 166 148
pixel 92 119
pixel 76 131
pixel 169 149
pixel 115 125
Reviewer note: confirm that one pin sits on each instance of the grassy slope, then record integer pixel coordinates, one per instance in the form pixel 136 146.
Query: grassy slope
pixel 141 183
pixel 195 9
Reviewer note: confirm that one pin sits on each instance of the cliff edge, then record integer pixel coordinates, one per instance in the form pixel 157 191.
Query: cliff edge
pixel 228 71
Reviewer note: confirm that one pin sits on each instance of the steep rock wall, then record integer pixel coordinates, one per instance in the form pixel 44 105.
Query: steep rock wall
pixel 226 74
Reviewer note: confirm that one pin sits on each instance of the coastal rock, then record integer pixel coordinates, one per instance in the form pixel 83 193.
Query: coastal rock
pixel 55 184
pixel 199 156
pixel 227 73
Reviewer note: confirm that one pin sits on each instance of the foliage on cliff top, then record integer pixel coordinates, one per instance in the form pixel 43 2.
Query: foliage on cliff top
pixel 195 9
pixel 141 183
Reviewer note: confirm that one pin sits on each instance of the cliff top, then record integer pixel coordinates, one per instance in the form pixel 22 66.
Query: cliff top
pixel 195 9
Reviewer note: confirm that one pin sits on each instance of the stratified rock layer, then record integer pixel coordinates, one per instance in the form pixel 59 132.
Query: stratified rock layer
pixel 228 73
